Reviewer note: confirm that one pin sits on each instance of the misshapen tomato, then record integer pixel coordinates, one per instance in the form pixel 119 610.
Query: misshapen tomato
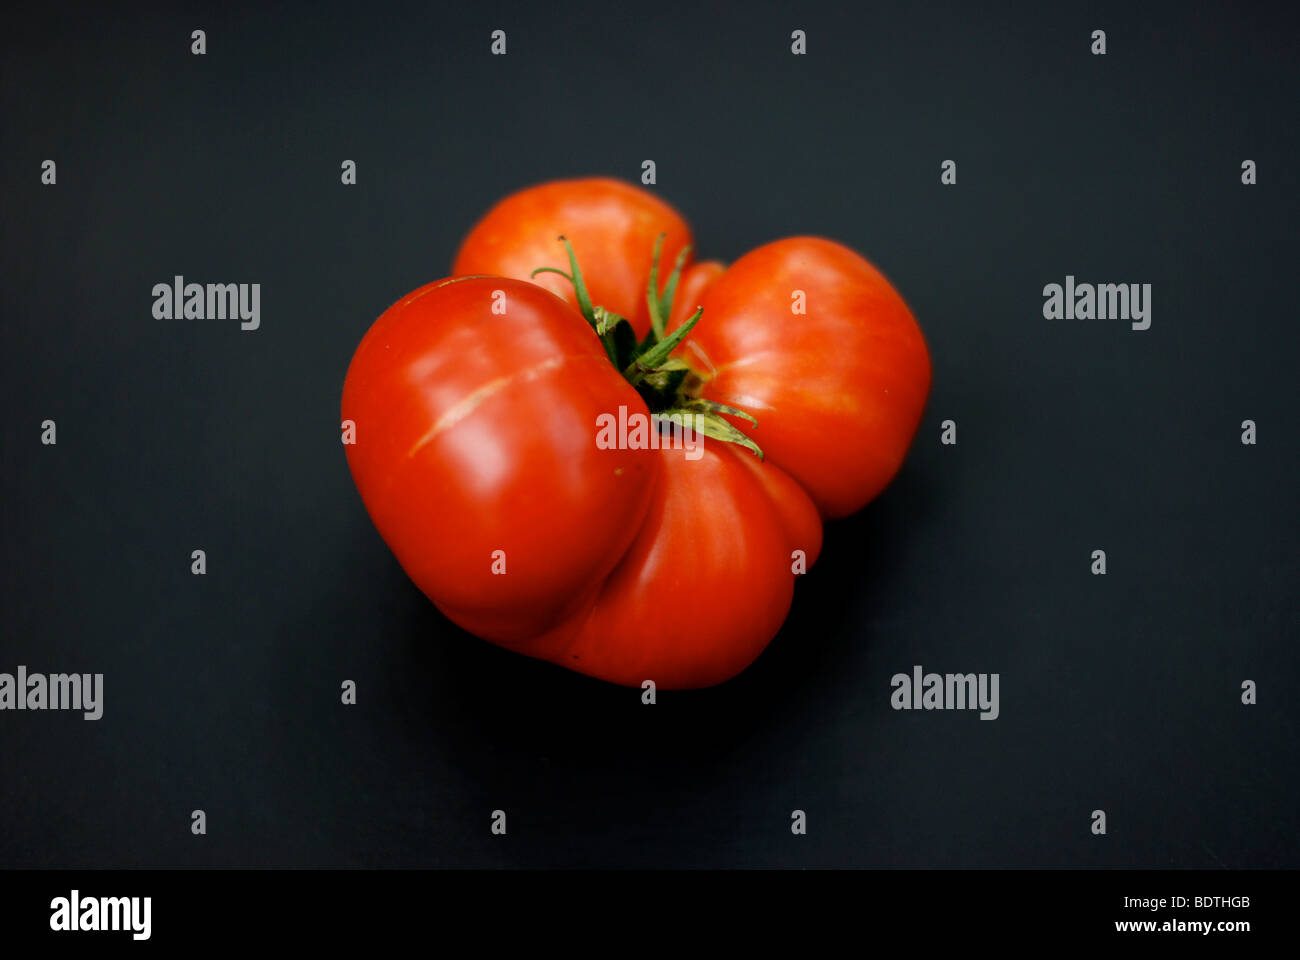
pixel 477 403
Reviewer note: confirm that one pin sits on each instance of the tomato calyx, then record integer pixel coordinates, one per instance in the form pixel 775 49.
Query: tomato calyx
pixel 668 385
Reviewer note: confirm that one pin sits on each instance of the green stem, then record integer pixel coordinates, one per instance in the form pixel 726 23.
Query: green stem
pixel 668 392
pixel 661 304
pixel 657 354
pixel 652 292
pixel 584 299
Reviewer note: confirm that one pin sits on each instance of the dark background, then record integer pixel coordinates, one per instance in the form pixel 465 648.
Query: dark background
pixel 222 692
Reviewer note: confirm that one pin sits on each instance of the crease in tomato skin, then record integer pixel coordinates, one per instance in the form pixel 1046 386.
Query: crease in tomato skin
pixel 467 406
pixel 667 634
pixel 577 643
pixel 554 643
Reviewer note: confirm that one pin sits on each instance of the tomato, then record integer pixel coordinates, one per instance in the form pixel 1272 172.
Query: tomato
pixel 612 226
pixel 482 408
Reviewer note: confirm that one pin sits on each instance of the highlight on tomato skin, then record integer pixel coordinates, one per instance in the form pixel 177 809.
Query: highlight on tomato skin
pixel 592 449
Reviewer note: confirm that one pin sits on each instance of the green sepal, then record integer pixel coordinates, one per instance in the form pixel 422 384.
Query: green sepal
pixel 661 304
pixel 657 354
pixel 711 425
pixel 709 406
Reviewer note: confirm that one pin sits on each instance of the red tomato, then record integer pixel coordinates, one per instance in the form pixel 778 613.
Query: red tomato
pixel 478 401
pixel 612 226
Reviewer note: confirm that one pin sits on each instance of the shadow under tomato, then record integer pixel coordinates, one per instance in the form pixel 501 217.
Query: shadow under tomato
pixel 552 741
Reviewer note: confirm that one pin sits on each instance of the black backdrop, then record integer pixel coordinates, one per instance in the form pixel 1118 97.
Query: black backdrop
pixel 1119 692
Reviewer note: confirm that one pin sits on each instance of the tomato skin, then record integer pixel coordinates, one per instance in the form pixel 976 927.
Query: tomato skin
pixel 612 225
pixel 838 392
pixel 704 587
pixel 475 432
pixel 799 516
pixel 695 282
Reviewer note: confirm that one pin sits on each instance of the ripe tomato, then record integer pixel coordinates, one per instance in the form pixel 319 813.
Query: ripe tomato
pixel 477 403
